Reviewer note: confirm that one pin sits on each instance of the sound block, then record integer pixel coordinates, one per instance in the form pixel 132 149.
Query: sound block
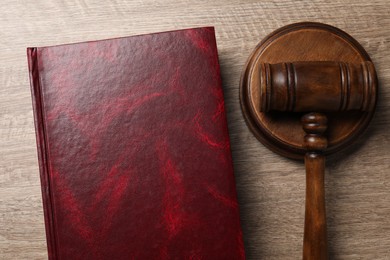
pixel 280 131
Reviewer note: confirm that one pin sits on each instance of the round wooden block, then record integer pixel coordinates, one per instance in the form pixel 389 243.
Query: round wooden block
pixel 282 132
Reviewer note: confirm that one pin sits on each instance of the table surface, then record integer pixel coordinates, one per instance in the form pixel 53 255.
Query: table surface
pixel 271 189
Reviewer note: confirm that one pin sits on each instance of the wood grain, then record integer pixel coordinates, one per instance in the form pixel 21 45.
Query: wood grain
pixel 271 189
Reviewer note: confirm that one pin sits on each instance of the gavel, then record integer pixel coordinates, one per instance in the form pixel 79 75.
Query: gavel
pixel 313 88
pixel 327 74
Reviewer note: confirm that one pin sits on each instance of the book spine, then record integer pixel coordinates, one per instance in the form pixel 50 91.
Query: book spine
pixel 36 88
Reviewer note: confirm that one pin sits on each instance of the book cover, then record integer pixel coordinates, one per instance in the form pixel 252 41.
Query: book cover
pixel 133 148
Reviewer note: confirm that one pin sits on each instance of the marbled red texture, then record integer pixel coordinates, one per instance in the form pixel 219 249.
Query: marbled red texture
pixel 134 151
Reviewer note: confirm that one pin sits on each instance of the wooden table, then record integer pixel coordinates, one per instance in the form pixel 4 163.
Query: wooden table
pixel 271 189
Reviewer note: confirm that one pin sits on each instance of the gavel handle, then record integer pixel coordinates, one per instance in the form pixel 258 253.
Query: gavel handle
pixel 315 238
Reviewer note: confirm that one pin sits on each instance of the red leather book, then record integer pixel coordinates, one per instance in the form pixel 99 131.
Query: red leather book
pixel 133 147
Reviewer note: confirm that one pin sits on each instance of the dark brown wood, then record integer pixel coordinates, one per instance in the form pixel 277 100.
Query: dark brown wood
pixel 324 86
pixel 315 240
pixel 309 67
pixel 306 42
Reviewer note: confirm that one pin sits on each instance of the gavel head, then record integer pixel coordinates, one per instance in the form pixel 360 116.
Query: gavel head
pixel 316 86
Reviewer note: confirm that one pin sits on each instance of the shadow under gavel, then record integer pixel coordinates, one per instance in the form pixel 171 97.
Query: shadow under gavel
pixel 314 88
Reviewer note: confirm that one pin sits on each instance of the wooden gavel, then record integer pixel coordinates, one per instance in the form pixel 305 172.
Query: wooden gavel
pixel 316 87
pixel 321 72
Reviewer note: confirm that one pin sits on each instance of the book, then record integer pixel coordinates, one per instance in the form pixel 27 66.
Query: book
pixel 133 148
